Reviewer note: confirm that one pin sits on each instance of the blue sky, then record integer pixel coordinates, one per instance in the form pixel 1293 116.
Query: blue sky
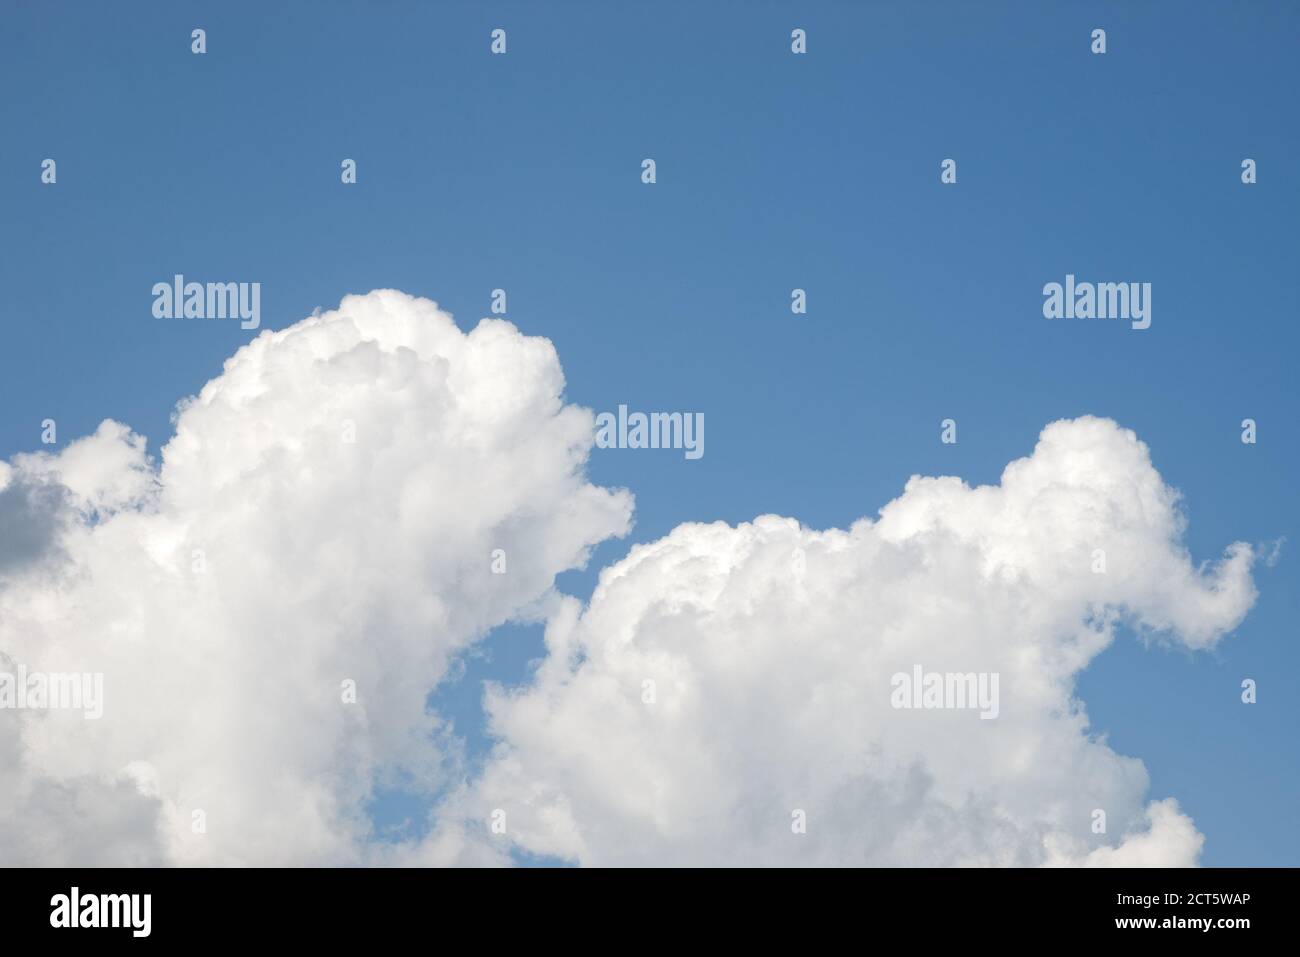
pixel 774 172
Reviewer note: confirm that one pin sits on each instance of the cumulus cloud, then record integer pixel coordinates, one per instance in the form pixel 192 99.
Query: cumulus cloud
pixel 725 680
pixel 327 510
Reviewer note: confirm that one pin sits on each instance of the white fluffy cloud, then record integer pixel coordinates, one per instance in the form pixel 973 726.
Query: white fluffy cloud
pixel 771 648
pixel 328 509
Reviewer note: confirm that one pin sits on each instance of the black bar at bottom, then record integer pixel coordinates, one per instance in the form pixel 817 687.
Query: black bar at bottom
pixel 333 907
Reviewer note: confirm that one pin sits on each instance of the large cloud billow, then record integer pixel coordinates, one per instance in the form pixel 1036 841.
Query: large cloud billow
pixel 328 510
pixel 767 651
